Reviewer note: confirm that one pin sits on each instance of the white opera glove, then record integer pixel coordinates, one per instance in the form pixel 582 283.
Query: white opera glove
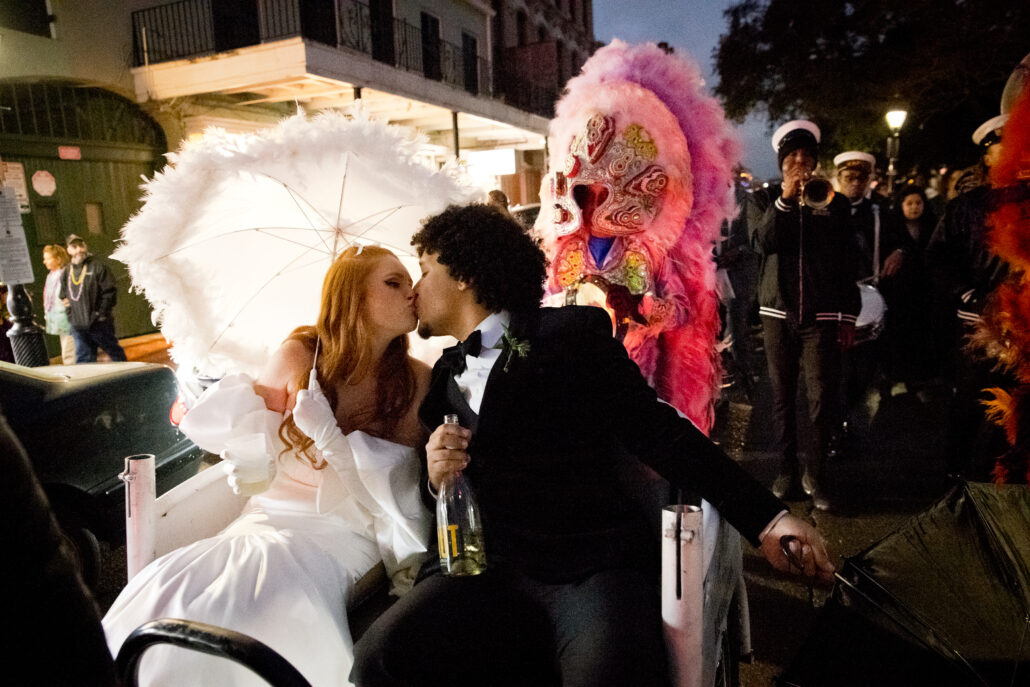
pixel 231 419
pixel 313 416
pixel 248 464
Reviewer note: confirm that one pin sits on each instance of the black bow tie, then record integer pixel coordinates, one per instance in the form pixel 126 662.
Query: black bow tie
pixel 472 345
pixel 454 356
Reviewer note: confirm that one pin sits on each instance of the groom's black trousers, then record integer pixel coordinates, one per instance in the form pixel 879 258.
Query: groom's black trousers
pixel 504 628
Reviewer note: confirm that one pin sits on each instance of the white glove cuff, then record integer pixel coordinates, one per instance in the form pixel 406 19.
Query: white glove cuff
pixel 249 464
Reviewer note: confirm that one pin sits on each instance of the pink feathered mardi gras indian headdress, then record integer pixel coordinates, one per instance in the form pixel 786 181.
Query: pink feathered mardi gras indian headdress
pixel 640 182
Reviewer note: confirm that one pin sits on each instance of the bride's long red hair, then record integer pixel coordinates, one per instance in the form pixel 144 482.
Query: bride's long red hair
pixel 346 355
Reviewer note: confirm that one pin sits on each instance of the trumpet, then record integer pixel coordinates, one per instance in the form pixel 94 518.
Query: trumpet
pixel 816 192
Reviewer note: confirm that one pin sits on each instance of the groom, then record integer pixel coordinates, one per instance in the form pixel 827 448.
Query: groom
pixel 550 404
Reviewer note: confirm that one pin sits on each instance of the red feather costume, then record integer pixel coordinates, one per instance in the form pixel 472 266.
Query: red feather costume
pixel 1004 332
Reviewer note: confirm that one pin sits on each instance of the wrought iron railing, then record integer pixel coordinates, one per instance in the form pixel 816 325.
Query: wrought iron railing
pixel 355 27
pixel 193 28
pixel 407 41
pixel 451 65
pixel 526 95
pixel 286 19
pixel 172 31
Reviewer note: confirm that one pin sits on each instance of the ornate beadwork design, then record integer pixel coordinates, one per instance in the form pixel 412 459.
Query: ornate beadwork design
pixel 571 264
pixel 620 160
pixel 600 129
pixel 634 273
pixel 638 139
pixel 623 164
pixel 651 182
pixel 627 268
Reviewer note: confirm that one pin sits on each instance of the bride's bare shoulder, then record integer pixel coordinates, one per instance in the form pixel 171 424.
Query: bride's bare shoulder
pixel 422 374
pixel 410 431
pixel 279 381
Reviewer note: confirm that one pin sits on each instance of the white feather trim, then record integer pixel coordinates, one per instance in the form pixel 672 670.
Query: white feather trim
pixel 237 232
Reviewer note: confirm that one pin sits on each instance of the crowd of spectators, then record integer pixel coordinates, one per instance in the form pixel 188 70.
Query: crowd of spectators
pixel 920 251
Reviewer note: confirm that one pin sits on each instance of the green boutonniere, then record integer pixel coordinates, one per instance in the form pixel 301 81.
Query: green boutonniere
pixel 511 345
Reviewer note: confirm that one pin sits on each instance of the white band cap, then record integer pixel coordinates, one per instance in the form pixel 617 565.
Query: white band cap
pixel 991 125
pixel 793 126
pixel 856 155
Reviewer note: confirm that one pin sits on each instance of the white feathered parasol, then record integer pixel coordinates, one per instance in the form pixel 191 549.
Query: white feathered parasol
pixel 237 232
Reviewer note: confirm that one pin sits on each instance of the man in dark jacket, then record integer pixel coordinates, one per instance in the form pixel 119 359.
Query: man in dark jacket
pixel 89 293
pixel 965 271
pixel 742 264
pixel 550 403
pixel 880 245
pixel 808 301
pixel 880 255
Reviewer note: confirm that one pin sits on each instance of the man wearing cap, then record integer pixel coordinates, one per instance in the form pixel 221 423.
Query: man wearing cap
pixel 89 293
pixel 879 248
pixel 808 301
pixel 966 271
pixel 879 255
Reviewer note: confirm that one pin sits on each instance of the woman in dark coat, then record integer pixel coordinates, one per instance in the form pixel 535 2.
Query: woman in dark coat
pixel 910 350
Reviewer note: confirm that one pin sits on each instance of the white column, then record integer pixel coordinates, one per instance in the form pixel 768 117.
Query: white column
pixel 140 505
pixel 683 593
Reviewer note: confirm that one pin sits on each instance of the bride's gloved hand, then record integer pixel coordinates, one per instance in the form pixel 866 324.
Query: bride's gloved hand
pixel 313 416
pixel 232 420
pixel 248 466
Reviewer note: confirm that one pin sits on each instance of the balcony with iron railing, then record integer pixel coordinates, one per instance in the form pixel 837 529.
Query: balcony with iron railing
pixel 196 28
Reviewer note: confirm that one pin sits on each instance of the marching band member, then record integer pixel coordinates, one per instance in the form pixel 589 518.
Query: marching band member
pixel 880 256
pixel 808 302
pixel 967 272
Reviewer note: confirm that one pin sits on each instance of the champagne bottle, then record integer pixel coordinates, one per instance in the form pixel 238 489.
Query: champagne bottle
pixel 459 530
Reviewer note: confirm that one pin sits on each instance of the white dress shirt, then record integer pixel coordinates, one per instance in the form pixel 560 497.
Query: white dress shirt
pixel 472 382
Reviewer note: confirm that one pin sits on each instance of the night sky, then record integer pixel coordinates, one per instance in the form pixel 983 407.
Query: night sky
pixel 692 27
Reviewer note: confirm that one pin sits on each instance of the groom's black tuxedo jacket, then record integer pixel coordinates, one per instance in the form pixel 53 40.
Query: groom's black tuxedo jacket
pixel 551 432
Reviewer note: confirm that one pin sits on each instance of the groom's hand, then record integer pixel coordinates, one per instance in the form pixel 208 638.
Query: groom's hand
pixel 445 452
pixel 810 550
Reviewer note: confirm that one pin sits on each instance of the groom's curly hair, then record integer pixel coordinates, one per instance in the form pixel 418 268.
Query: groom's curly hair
pixel 488 249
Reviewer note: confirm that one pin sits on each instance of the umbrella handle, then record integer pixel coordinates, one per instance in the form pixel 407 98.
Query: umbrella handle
pixel 796 559
pixel 313 377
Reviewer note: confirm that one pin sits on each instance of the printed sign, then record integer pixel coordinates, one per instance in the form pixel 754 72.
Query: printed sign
pixel 43 183
pixel 15 264
pixel 69 152
pixel 13 174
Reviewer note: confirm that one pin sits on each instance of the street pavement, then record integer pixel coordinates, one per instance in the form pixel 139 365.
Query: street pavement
pixel 892 468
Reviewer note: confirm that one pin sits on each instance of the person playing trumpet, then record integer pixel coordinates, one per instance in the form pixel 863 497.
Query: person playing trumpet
pixel 880 256
pixel 808 302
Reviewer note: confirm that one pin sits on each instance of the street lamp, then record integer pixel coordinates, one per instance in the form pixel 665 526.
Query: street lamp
pixel 895 120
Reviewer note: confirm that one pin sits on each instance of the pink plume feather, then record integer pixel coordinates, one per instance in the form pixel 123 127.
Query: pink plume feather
pixel 680 359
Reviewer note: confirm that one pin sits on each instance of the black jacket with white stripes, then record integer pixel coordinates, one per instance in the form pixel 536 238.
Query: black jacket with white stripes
pixel 809 259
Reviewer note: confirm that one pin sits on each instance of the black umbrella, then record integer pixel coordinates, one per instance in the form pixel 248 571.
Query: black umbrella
pixel 943 600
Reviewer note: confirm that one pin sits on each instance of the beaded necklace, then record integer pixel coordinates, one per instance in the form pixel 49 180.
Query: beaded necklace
pixel 80 282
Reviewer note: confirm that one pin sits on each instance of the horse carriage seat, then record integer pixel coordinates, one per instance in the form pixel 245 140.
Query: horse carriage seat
pixel 204 505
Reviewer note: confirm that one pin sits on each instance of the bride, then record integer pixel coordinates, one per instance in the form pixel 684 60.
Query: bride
pixel 327 504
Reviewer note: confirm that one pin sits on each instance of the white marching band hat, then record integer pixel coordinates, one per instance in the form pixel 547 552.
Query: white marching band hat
pixel 982 135
pixel 791 126
pixel 854 156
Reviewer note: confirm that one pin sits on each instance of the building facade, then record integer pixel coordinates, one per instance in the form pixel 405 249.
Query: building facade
pixel 537 46
pixel 93 93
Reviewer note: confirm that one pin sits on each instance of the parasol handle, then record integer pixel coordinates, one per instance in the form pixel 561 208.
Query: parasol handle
pixel 313 377
pixel 313 384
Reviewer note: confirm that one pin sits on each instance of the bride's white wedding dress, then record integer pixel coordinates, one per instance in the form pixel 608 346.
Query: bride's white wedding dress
pixel 283 572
